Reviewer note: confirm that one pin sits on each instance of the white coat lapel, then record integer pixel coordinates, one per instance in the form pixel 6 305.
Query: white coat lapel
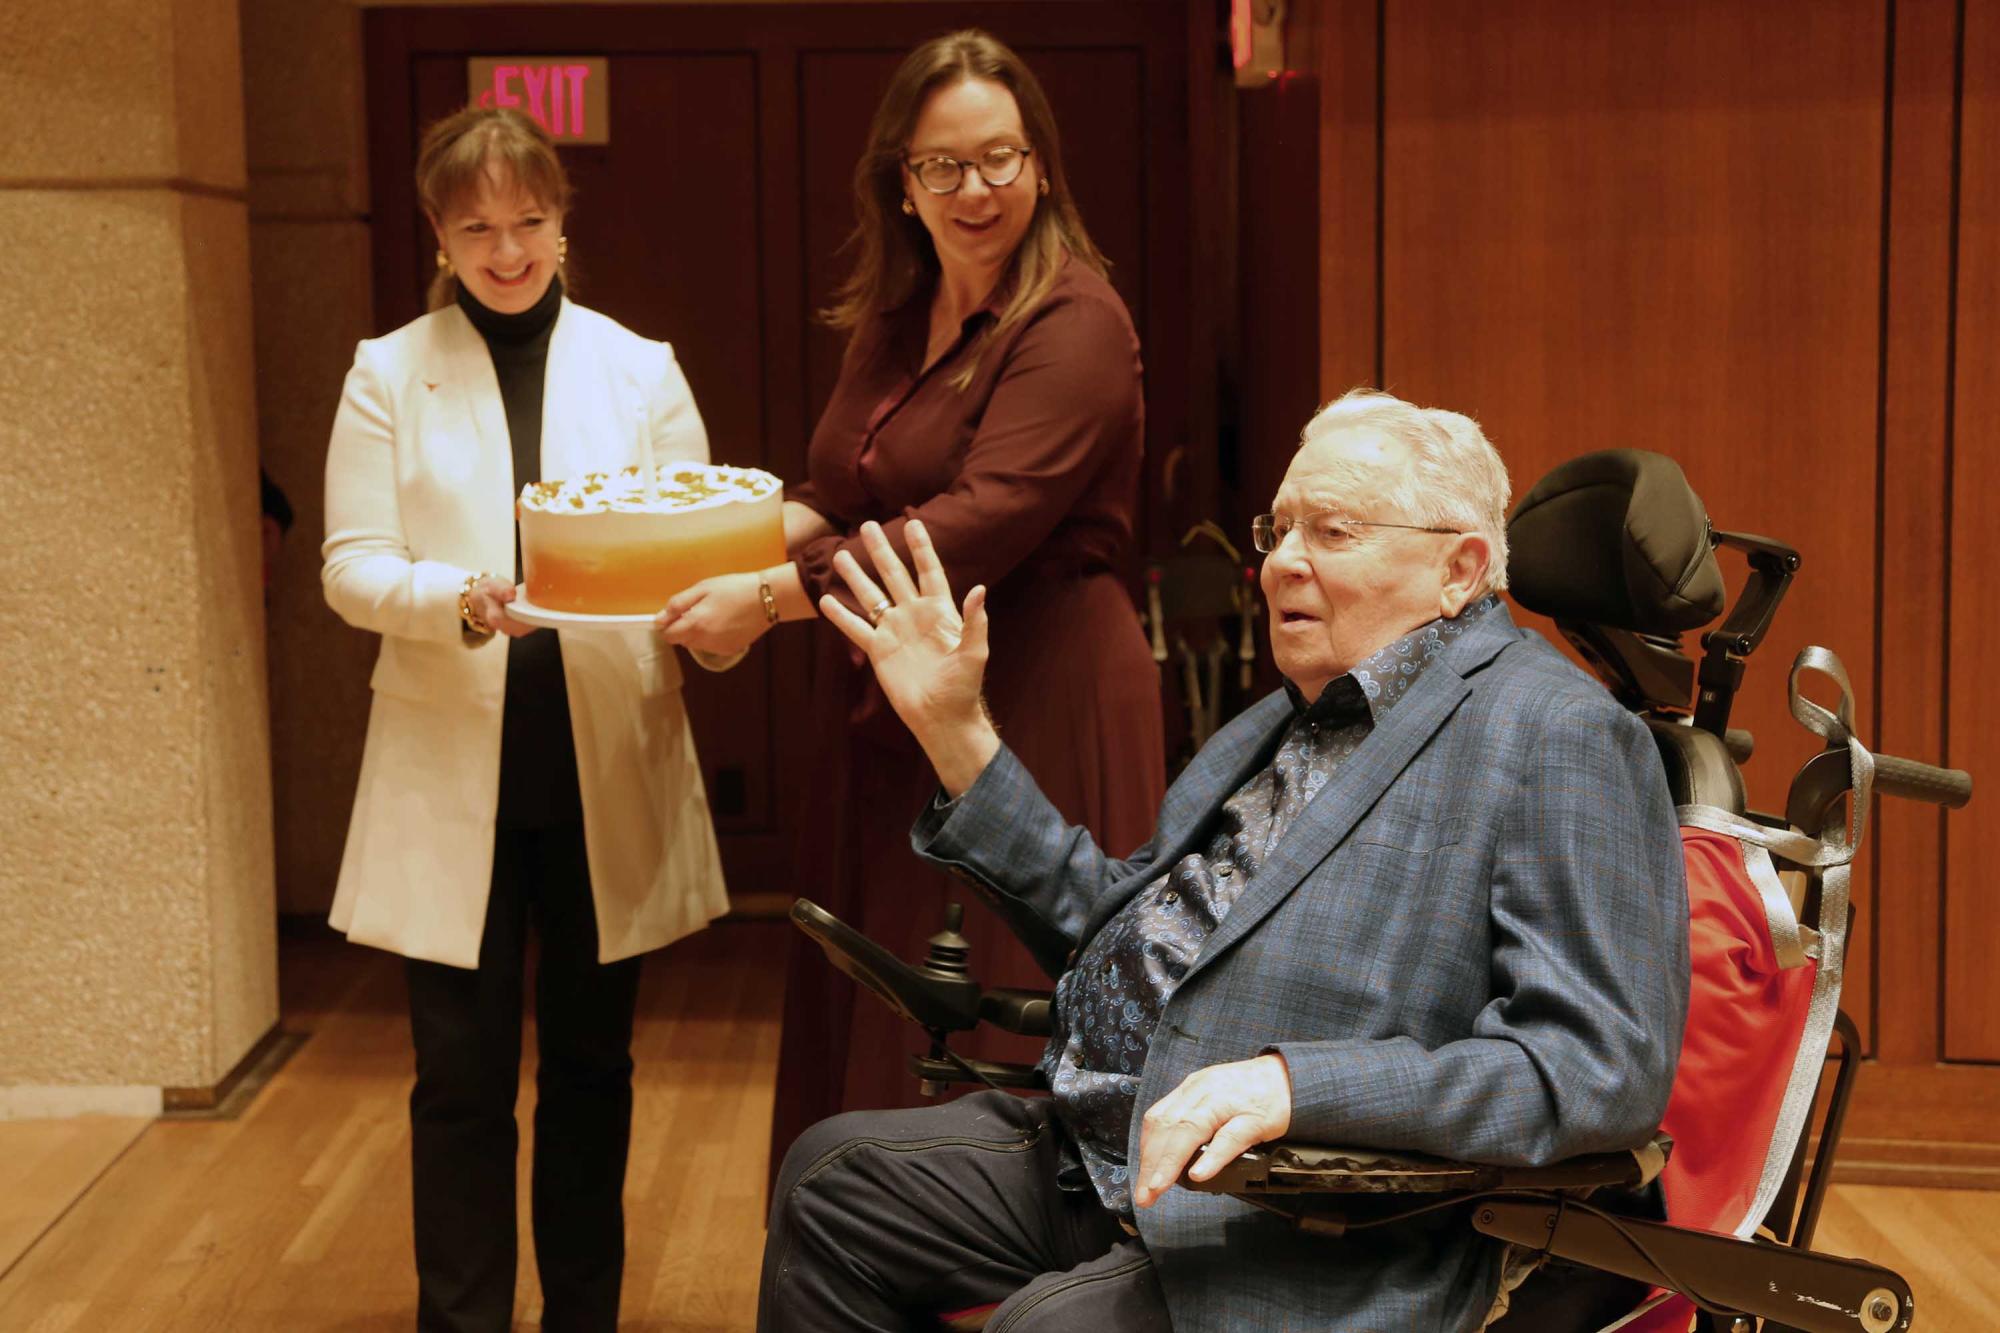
pixel 565 406
pixel 590 414
pixel 591 417
pixel 467 375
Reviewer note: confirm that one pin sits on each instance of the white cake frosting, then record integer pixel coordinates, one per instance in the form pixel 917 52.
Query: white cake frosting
pixel 680 487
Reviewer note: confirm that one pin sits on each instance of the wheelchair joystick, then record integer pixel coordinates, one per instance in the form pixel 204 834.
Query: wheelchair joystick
pixel 948 948
pixel 945 958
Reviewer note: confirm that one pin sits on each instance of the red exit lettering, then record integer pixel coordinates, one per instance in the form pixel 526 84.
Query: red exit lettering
pixel 553 94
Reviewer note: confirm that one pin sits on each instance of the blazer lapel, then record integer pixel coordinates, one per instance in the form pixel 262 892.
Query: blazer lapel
pixel 568 433
pixel 1221 766
pixel 1360 782
pixel 592 415
pixel 467 375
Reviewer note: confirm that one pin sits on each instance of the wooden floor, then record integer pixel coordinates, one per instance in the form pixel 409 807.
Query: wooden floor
pixel 296 1215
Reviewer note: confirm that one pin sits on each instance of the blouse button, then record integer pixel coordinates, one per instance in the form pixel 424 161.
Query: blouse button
pixel 1224 871
pixel 1170 896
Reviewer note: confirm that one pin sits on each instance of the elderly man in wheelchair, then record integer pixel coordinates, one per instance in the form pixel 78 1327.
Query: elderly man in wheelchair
pixel 1429 899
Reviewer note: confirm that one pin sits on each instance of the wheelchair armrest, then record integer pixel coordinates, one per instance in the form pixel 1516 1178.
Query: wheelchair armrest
pixel 1291 1167
pixel 1013 1010
pixel 928 998
pixel 940 1001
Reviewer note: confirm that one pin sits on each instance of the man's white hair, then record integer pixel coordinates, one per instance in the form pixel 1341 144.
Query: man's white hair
pixel 1455 478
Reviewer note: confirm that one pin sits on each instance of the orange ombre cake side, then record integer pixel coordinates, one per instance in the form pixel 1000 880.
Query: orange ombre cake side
pixel 612 544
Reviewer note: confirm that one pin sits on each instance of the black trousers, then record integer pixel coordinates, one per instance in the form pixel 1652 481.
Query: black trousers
pixel 887 1219
pixel 467 1030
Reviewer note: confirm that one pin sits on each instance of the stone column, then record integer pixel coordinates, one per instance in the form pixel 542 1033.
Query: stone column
pixel 137 948
pixel 312 290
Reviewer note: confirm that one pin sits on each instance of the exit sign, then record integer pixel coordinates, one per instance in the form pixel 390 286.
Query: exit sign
pixel 568 95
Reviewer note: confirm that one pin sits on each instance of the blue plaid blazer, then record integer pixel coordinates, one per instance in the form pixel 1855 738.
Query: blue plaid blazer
pixel 1473 943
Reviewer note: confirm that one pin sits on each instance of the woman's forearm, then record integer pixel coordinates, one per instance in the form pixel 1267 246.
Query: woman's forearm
pixel 804 524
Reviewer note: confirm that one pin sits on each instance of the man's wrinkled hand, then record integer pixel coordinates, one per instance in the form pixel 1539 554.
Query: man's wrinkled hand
pixel 1228 1108
pixel 928 654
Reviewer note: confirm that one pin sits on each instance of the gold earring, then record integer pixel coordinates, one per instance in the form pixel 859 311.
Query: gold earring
pixel 909 209
pixel 562 250
pixel 444 263
pixel 1043 188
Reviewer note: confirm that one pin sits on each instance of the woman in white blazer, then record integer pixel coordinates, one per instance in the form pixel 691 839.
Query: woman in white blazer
pixel 511 777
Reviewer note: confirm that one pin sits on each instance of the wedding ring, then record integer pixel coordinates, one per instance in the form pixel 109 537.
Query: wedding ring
pixel 876 612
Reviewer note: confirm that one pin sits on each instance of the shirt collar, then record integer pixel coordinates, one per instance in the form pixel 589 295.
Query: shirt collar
pixel 1381 681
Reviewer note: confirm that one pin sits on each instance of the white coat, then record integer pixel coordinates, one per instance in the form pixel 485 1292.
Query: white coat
pixel 420 493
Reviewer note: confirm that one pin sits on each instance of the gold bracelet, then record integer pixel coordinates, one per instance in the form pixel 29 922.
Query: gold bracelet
pixel 470 618
pixel 770 601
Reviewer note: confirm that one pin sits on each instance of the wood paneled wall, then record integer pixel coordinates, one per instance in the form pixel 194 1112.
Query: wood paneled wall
pixel 1765 240
pixel 1972 452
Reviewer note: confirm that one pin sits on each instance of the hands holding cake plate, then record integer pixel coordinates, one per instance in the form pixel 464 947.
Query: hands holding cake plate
pixel 488 599
pixel 722 615
pixel 726 613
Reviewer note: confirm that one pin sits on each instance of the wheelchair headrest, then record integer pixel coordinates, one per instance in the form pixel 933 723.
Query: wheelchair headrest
pixel 1615 538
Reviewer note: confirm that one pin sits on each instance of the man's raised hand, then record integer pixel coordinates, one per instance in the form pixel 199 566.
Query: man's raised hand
pixel 928 654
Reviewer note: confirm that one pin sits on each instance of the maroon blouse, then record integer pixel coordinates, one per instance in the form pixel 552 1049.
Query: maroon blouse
pixel 1030 469
pixel 1027 479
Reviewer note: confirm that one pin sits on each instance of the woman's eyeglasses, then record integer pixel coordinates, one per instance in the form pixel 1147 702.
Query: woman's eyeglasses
pixel 996 166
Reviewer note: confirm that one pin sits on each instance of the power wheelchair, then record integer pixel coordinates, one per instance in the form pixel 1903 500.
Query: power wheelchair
pixel 1618 551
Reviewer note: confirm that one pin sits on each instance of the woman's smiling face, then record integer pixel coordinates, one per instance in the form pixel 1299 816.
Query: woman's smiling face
pixel 503 244
pixel 978 226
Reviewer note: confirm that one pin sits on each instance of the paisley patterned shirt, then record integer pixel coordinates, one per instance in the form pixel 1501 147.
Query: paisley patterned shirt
pixel 1108 1003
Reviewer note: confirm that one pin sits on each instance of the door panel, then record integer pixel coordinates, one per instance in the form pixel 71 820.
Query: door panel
pixel 1659 228
pixel 1972 930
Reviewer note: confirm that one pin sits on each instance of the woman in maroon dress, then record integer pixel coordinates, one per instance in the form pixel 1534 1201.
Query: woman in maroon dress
pixel 991 388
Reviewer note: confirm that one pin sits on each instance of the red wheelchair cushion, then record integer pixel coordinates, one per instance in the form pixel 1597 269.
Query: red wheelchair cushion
pixel 1745 1015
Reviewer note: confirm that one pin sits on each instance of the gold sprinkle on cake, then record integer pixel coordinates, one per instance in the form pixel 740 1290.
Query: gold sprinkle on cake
pixel 679 487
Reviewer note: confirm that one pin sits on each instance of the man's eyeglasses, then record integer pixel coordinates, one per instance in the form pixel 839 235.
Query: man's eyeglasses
pixel 996 166
pixel 1327 530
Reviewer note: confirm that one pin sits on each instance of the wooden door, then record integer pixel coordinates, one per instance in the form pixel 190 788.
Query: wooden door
pixel 715 216
pixel 1760 239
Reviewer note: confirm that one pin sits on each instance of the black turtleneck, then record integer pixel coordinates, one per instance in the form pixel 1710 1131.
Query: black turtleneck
pixel 520 348
pixel 538 781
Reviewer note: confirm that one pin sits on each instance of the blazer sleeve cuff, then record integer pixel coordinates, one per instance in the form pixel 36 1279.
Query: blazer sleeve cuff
pixel 1349 1093
pixel 949 832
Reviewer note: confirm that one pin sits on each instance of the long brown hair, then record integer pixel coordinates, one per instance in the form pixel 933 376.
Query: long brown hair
pixel 458 152
pixel 893 253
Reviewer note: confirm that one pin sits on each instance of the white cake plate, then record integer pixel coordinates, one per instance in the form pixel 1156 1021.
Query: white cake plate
pixel 528 613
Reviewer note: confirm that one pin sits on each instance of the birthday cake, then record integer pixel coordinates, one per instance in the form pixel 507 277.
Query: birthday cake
pixel 623 544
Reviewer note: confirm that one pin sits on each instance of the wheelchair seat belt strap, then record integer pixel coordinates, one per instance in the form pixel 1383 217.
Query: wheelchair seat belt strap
pixel 1833 856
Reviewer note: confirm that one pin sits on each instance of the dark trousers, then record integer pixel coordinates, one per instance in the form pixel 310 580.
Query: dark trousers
pixel 467 1030
pixel 887 1219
